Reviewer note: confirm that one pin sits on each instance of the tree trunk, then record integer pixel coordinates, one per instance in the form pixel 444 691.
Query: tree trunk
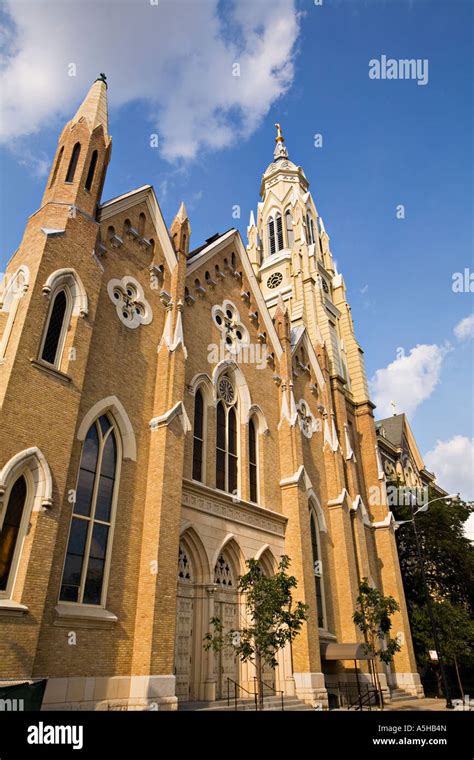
pixel 259 672
pixel 439 682
pixel 459 677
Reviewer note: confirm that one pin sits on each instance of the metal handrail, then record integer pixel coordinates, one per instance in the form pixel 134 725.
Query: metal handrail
pixel 277 691
pixel 362 699
pixel 236 687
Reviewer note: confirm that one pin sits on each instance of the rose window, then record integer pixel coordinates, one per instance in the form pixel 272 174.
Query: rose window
pixel 129 299
pixel 226 390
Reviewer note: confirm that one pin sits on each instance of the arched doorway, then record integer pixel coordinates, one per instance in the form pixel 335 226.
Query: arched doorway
pixel 226 665
pixel 185 616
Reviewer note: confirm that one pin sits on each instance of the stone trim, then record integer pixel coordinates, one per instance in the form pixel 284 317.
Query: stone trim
pixel 204 499
pixel 386 523
pixel 178 410
pixel 113 405
pixel 83 615
pixel 11 608
pixel 111 693
pixel 50 370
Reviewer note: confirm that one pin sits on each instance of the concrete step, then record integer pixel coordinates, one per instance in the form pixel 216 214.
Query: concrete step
pixel 398 695
pixel 271 704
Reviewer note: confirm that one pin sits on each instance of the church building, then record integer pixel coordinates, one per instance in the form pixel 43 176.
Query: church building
pixel 166 414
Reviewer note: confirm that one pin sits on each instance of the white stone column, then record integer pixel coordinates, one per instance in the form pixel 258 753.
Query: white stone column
pixel 210 682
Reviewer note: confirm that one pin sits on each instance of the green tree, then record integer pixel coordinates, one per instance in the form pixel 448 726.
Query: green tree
pixel 448 554
pixel 272 621
pixel 456 636
pixel 373 617
pixel 449 570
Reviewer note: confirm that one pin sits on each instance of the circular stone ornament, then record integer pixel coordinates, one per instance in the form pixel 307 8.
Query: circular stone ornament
pixel 226 390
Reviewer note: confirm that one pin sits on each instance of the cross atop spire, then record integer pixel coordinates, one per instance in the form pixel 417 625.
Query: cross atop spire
pixel 279 137
pixel 280 150
pixel 102 78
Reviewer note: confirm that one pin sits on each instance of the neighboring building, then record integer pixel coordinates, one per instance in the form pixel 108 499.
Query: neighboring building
pixel 167 415
pixel 401 460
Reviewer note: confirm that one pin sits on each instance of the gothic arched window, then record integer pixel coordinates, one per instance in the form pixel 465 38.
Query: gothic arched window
pixel 253 466
pixel 226 448
pixel 223 574
pixel 73 163
pixel 271 237
pixel 279 232
pixel 56 167
pixel 318 569
pixel 85 571
pixel 91 172
pixel 290 235
pixel 10 529
pixel 310 229
pixel 198 437
pixel 57 324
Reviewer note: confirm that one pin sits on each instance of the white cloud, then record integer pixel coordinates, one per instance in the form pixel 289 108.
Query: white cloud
pixel 364 289
pixel 176 57
pixel 37 163
pixel 453 463
pixel 409 380
pixel 464 330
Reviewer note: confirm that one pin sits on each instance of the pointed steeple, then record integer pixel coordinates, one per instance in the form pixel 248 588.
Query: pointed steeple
pixel 80 165
pixel 282 165
pixel 253 247
pixel 94 106
pixel 181 230
pixel 281 305
pixel 182 214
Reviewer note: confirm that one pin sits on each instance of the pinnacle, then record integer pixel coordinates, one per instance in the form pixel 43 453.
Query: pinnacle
pixel 182 214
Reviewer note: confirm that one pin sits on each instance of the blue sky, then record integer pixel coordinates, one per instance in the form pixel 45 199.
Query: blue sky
pixel 385 143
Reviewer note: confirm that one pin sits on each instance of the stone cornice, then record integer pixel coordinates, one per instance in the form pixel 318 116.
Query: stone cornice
pixel 204 499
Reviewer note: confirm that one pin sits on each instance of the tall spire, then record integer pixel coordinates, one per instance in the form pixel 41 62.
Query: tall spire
pixel 94 105
pixel 80 165
pixel 280 150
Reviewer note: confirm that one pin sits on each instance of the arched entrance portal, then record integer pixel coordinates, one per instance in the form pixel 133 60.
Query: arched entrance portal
pixel 226 608
pixel 185 616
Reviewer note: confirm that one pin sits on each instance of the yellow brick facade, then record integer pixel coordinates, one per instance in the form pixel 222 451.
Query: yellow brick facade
pixel 140 340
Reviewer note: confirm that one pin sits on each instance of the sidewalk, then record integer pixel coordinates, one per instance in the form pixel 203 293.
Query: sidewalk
pixel 427 703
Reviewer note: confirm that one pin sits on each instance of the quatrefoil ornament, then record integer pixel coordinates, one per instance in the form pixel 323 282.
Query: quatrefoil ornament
pixel 227 320
pixel 132 307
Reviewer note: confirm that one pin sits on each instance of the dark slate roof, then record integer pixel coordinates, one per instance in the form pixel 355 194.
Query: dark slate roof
pixel 210 240
pixel 393 427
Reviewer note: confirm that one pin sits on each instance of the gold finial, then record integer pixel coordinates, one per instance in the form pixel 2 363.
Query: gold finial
pixel 279 137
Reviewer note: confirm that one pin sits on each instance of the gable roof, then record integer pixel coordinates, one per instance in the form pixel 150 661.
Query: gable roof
pixel 204 253
pixel 300 336
pixel 142 194
pixel 396 429
pixel 393 427
pixel 208 242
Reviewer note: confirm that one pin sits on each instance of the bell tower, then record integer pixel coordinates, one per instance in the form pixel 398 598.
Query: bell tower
pixel 291 256
pixel 84 148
